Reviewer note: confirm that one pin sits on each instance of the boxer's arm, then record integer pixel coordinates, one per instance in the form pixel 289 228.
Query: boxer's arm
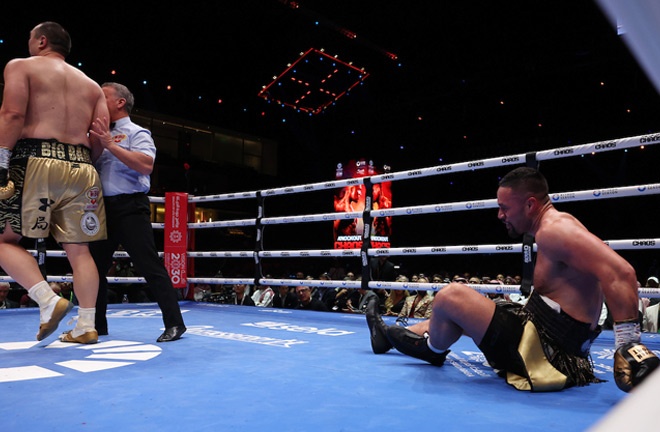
pixel 14 104
pixel 101 114
pixel 570 243
pixel 575 246
pixel 12 119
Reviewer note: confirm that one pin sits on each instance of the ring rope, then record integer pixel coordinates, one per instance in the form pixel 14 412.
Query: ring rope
pixel 223 197
pixel 583 149
pixel 629 244
pixel 219 224
pixel 482 288
pixel 634 244
pixel 311 283
pixel 311 218
pixel 210 198
pixel 314 186
pixel 582 195
pixel 562 152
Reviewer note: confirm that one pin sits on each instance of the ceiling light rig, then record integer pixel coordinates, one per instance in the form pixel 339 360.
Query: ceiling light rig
pixel 320 21
pixel 313 82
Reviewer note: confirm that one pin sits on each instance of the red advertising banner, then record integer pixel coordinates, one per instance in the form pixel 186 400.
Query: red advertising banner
pixel 176 237
pixel 347 233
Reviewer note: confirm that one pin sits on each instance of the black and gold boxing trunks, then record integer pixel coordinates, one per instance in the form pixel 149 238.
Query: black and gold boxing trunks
pixel 539 349
pixel 58 192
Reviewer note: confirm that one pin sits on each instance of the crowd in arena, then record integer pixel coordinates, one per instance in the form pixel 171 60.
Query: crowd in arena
pixel 402 303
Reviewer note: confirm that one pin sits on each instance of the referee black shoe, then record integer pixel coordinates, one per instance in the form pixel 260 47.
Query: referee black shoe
pixel 172 333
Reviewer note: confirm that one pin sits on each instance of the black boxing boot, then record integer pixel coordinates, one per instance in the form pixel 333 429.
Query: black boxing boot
pixel 6 185
pixel 414 345
pixel 377 328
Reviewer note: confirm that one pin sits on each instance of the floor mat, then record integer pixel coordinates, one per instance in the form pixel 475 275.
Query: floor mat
pixel 254 369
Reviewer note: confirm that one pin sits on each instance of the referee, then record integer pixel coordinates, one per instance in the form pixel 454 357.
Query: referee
pixel 125 163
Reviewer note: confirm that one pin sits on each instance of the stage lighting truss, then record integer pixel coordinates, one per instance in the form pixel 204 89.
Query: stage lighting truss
pixel 313 82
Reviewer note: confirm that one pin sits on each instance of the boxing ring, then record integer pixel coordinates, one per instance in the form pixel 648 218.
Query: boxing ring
pixel 251 368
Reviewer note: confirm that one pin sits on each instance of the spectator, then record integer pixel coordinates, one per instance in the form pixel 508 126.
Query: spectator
pixel 263 296
pixel 305 300
pixel 396 298
pixel 284 298
pixel 652 282
pixel 242 295
pixel 418 305
pixel 336 271
pixel 382 269
pixel 651 319
pixel 64 290
pixel 6 303
pixel 343 297
pixel 326 294
pixel 26 301
pixel 365 295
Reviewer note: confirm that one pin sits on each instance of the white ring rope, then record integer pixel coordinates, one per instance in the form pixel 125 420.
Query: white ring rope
pixel 210 198
pixel 581 149
pixel 482 288
pixel 222 254
pixel 593 194
pixel 562 152
pixel 502 248
pixel 313 187
pixel 312 218
pixel 411 286
pixel 311 253
pixel 634 244
pixel 221 224
pixel 223 197
pixel 311 283
pixel 583 195
pixel 69 278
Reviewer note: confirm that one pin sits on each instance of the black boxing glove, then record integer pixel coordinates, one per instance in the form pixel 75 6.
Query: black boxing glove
pixel 6 185
pixel 633 362
pixel 4 177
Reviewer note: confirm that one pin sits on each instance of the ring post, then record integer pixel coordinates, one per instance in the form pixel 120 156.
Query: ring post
pixel 367 219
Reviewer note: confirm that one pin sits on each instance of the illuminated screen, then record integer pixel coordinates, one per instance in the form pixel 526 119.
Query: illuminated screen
pixel 347 233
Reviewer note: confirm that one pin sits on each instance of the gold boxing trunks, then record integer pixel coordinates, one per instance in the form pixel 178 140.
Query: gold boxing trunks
pixel 58 191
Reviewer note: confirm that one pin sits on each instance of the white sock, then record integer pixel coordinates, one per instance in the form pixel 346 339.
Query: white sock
pixel 45 298
pixel 85 323
pixel 432 348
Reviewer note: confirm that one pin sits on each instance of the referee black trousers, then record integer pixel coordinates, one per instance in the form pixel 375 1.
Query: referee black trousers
pixel 128 219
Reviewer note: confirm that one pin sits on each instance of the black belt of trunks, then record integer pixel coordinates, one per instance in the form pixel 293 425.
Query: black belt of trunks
pixel 573 336
pixel 51 149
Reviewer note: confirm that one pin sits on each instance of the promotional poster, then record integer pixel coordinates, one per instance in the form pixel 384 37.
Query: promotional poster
pixel 347 233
